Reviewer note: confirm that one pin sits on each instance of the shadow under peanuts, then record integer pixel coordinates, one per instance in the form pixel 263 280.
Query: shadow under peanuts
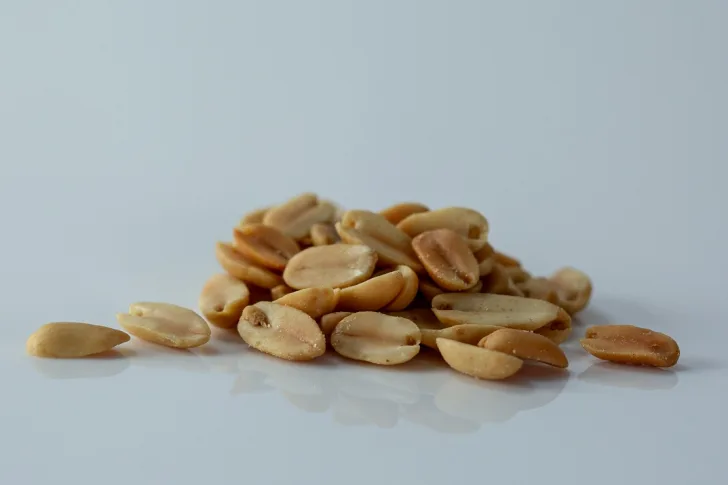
pixel 629 376
pixel 106 364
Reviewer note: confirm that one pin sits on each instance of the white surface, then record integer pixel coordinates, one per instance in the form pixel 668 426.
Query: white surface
pixel 135 134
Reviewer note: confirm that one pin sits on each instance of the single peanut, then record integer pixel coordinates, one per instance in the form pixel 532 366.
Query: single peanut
pixel 505 260
pixel 539 288
pixel 329 321
pixel 376 338
pixel 627 344
pixel 278 292
pixel 469 224
pixel 222 300
pixel 573 289
pixel 72 339
pixel 324 234
pixel 525 345
pixel 254 217
pixel 466 333
pixel 396 213
pixel 447 259
pixel 238 266
pixel 372 294
pixel 409 289
pixel 296 216
pixel 165 324
pixel 264 245
pixel 478 362
pixel 314 302
pixel 334 266
pixel 485 257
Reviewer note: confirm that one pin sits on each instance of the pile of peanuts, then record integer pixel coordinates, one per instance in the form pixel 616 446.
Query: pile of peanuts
pixel 304 275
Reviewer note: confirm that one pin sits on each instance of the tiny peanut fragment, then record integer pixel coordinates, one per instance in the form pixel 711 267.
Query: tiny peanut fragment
pixel 71 339
pixel 503 311
pixel 396 213
pixel 324 234
pixel 372 294
pixel 278 292
pixel 376 338
pixel 281 331
pixel 409 290
pixel 466 333
pixel 329 321
pixel 334 266
pixel 371 229
pixel 573 288
pixel 296 216
pixel 222 300
pixel 238 266
pixel 525 345
pixel 478 362
pixel 469 224
pixel 447 259
pixel 264 245
pixel 165 324
pixel 627 344
pixel 314 302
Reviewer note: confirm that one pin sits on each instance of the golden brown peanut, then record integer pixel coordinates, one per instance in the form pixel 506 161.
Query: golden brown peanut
pixel 627 344
pixel 469 224
pixel 409 290
pixel 424 318
pixel 485 258
pixel 254 217
pixel 324 234
pixel 466 333
pixel 371 295
pixel 278 292
pixel 165 324
pixel 376 338
pixel 393 246
pixel 505 260
pixel 329 321
pixel 447 259
pixel 71 339
pixel 503 311
pixel 264 245
pixel 296 216
pixel 281 331
pixel 334 266
pixel 478 362
pixel 222 300
pixel 236 265
pixel 525 345
pixel 312 301
pixel 574 289
pixel 539 288
pixel 429 288
pixel 499 283
pixel 396 213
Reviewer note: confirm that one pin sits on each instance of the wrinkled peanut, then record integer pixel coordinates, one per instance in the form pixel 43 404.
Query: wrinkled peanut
pixel 393 246
pixel 376 338
pixel 312 301
pixel 329 321
pixel 525 345
pixel 279 291
pixel 254 217
pixel 238 266
pixel 503 311
pixel 264 245
pixel 296 216
pixel 334 266
pixel 222 300
pixel 396 213
pixel 478 362
pixel 324 234
pixel 469 224
pixel 573 288
pixel 485 257
pixel 627 344
pixel 466 333
pixel 447 259
pixel 372 294
pixel 165 324
pixel 70 339
pixel 409 290
pixel 281 331
pixel 498 282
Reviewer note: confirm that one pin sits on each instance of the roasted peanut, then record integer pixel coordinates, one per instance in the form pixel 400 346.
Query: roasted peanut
pixel 264 245
pixel 278 292
pixel 334 266
pixel 296 216
pixel 478 362
pixel 242 268
pixel 525 345
pixel 373 294
pixel 165 324
pixel 573 289
pixel 396 213
pixel 409 290
pixel 540 289
pixel 314 302
pixel 329 321
pixel 499 283
pixel 71 339
pixel 222 300
pixel 627 344
pixel 469 224
pixel 324 234
pixel 254 217
pixel 447 259
pixel 467 333
pixel 376 338
pixel 485 257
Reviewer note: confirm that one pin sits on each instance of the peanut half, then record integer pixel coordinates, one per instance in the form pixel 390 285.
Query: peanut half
pixel 314 302
pixel 627 344
pixel 281 331
pixel 278 292
pixel 71 339
pixel 329 321
pixel 467 333
pixel 296 216
pixel 478 362
pixel 222 300
pixel 499 282
pixel 503 311
pixel 165 324
pixel 447 259
pixel 485 257
pixel 525 345
pixel 334 266
pixel 324 234
pixel 254 217
pixel 469 224
pixel 238 266
pixel 376 338
pixel 574 289
pixel 398 212
pixel 409 290
pixel 372 294
pixel 264 245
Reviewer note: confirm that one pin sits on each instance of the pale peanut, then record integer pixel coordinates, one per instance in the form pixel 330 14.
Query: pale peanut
pixel 469 224
pixel 398 212
pixel 314 302
pixel 525 345
pixel 372 294
pixel 376 338
pixel 447 259
pixel 409 289
pixel 466 333
pixel 278 291
pixel 254 217
pixel 393 246
pixel 329 321
pixel 627 344
pixel 324 234
pixel 504 311
pixel 296 216
pixel 281 331
pixel 222 300
pixel 478 362
pixel 72 339
pixel 573 288
pixel 238 266
pixel 264 245
pixel 165 324
pixel 334 266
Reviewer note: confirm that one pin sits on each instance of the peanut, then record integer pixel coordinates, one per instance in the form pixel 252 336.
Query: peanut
pixel 469 224
pixel 334 266
pixel 478 362
pixel 627 344
pixel 314 302
pixel 296 216
pixel 165 324
pixel 222 300
pixel 447 259
pixel 71 339
pixel 526 346
pixel 376 338
pixel 396 213
pixel 372 294
pixel 264 245
pixel 238 266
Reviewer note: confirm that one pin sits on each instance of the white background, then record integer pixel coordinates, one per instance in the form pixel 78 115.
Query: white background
pixel 134 134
